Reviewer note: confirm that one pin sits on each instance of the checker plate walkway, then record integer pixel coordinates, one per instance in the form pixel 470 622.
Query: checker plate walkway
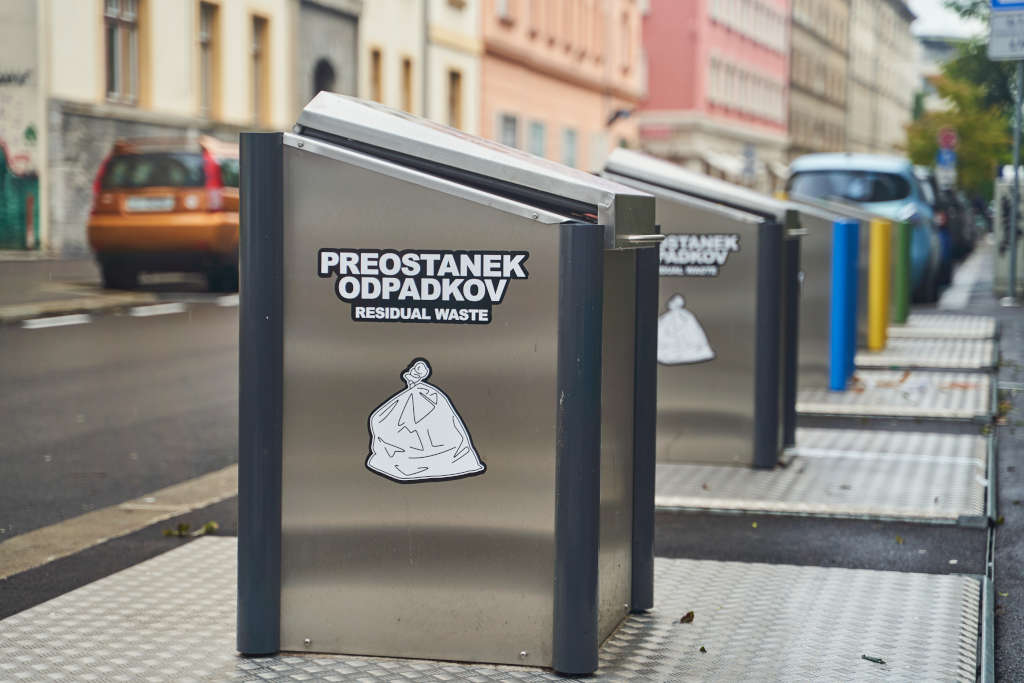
pixel 944 326
pixel 892 393
pixel 937 354
pixel 914 476
pixel 172 618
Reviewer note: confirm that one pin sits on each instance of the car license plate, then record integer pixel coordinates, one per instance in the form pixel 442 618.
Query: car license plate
pixel 149 203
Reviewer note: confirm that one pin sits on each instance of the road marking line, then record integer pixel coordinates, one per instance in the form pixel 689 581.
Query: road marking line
pixel 157 309
pixel 228 300
pixel 56 321
pixel 70 536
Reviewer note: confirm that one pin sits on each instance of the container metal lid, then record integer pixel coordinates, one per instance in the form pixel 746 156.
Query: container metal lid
pixel 376 126
pixel 654 171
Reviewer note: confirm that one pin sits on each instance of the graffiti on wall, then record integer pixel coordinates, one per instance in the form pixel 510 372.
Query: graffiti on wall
pixel 19 177
pixel 21 156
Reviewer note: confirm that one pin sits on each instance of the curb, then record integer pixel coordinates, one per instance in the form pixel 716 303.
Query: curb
pixel 86 304
pixel 16 255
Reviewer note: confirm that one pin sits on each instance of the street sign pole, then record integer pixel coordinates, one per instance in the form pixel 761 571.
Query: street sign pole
pixel 1006 43
pixel 1011 295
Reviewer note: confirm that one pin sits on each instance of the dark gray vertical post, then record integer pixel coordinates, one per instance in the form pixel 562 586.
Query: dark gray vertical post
pixel 791 336
pixel 578 447
pixel 259 394
pixel 767 354
pixel 645 417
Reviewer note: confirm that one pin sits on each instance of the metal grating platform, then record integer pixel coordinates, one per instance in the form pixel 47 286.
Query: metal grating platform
pixel 914 476
pixel 891 393
pixel 934 354
pixel 944 326
pixel 172 618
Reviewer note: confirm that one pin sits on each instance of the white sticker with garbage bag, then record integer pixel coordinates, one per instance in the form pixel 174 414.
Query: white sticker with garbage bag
pixel 418 435
pixel 681 338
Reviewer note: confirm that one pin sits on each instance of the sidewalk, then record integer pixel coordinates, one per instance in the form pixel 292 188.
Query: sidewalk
pixel 866 556
pixel 44 287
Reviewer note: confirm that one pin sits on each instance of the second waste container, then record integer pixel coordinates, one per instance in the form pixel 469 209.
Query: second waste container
pixel 722 337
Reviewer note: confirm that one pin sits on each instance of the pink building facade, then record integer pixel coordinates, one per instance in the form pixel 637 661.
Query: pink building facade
pixel 560 79
pixel 718 74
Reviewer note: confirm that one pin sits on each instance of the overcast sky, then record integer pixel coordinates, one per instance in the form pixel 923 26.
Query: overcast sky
pixel 934 19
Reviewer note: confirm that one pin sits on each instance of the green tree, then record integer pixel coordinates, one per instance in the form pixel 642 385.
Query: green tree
pixel 973 65
pixel 983 131
pixel 971 9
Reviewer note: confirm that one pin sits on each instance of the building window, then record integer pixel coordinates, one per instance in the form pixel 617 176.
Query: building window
pixel 455 98
pixel 324 76
pixel 407 84
pixel 569 140
pixel 121 25
pixel 376 89
pixel 536 142
pixel 508 130
pixel 208 67
pixel 535 19
pixel 505 10
pixel 259 70
pixel 627 43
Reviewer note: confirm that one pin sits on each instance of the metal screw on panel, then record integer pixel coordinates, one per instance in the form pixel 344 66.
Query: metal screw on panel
pixel 524 654
pixel 300 144
pixel 533 216
pixel 307 642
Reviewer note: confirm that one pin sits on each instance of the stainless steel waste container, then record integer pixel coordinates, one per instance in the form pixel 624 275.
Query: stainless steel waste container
pixel 722 337
pixel 446 395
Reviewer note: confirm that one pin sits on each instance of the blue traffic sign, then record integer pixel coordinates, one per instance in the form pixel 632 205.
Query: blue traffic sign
pixel 945 157
pixel 1007 4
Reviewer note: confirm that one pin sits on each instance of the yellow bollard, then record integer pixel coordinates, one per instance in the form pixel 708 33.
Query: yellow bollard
pixel 879 283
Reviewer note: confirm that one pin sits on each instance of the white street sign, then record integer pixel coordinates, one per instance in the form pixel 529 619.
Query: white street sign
pixel 1006 41
pixel 945 176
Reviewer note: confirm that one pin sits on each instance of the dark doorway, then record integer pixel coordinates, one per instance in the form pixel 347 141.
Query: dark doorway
pixel 323 76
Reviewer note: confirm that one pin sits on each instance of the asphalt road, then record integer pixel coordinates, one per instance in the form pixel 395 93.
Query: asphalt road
pixel 100 413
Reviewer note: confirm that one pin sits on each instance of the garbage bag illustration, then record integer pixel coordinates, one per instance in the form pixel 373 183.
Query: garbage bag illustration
pixel 681 338
pixel 417 435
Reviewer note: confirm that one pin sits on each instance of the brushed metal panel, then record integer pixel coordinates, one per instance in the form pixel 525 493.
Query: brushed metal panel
pixel 706 409
pixel 459 569
pixel 815 300
pixel 617 379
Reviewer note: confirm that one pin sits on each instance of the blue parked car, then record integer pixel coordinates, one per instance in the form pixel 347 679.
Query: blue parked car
pixel 884 185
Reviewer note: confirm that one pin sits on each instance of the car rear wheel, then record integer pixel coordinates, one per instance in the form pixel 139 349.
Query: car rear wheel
pixel 119 277
pixel 223 279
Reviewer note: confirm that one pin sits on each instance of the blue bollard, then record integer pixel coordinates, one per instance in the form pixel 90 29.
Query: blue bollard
pixel 843 311
pixel 853 292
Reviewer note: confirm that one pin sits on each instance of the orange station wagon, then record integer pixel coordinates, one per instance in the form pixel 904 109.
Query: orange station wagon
pixel 167 205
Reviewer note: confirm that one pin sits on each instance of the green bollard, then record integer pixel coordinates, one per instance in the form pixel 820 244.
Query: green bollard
pixel 901 274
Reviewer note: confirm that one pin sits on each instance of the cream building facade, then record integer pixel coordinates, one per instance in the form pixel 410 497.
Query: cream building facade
pixel 454 49
pixel 818 67
pixel 392 55
pixel 101 70
pixel 883 76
